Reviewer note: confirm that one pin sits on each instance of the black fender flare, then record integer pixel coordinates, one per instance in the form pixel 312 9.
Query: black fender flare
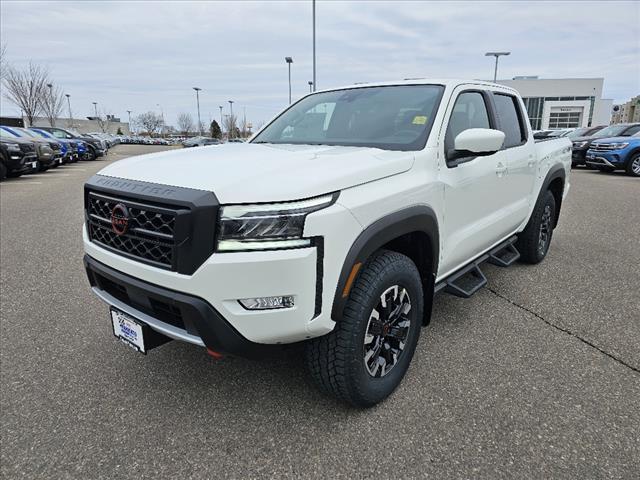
pixel 555 172
pixel 419 218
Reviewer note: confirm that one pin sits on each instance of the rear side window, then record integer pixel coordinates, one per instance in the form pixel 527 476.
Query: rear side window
pixel 510 120
pixel 469 111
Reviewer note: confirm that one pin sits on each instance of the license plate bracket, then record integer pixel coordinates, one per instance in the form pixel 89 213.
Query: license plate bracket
pixel 134 333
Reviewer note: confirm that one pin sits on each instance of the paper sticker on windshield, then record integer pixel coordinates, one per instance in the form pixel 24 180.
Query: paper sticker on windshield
pixel 419 120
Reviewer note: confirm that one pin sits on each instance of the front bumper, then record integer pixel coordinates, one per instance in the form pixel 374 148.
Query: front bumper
pixel 175 315
pixel 578 156
pixel 308 274
pixel 614 159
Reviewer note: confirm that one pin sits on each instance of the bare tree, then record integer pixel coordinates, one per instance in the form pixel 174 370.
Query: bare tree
pixel 53 103
pixel 27 89
pixel 230 125
pixel 150 122
pixel 3 61
pixel 185 123
pixel 103 120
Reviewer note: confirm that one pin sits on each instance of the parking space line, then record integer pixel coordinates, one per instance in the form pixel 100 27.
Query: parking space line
pixel 28 182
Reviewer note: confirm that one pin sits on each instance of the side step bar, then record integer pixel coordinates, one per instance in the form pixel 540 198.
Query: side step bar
pixel 469 279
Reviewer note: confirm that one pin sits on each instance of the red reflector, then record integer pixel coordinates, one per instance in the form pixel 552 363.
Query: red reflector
pixel 215 354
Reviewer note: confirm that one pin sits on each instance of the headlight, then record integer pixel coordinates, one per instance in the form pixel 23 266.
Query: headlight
pixel 14 147
pixel 618 146
pixel 267 226
pixel 579 144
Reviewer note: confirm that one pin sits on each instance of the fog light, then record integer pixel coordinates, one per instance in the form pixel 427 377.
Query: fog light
pixel 267 303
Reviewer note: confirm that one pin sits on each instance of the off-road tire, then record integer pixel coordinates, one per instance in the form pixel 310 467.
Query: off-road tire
pixel 528 243
pixel 336 360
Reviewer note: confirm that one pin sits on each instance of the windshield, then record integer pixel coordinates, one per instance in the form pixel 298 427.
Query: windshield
pixel 24 131
pixel 42 133
pixel 6 134
pixel 578 132
pixel 612 131
pixel 390 118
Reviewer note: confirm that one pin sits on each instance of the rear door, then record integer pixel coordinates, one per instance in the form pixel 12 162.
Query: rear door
pixel 518 154
pixel 473 190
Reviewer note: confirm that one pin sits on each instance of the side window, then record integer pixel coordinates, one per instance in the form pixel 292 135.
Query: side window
pixel 632 130
pixel 469 111
pixel 510 120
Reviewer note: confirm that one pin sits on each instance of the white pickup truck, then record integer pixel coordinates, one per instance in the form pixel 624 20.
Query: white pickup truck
pixel 334 226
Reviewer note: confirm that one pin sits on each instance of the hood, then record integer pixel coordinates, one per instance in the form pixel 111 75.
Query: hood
pixel 245 172
pixel 612 139
pixel 19 140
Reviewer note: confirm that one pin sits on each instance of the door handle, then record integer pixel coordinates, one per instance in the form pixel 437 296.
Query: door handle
pixel 501 170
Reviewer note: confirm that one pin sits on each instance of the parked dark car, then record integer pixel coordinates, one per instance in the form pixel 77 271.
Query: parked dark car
pixel 69 147
pixel 583 143
pixel 56 145
pixel 94 146
pixel 44 151
pixel 17 157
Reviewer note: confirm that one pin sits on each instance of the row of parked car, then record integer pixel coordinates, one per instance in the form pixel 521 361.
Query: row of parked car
pixel 138 140
pixel 204 141
pixel 37 149
pixel 606 148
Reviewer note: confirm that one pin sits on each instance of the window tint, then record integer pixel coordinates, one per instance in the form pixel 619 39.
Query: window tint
pixel 510 120
pixel 469 111
pixel 632 130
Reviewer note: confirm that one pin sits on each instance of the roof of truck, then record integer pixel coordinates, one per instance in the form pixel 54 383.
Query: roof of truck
pixel 447 82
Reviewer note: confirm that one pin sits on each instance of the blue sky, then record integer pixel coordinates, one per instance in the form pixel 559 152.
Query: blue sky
pixel 138 55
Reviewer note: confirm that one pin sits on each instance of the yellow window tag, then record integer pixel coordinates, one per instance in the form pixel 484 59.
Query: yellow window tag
pixel 419 120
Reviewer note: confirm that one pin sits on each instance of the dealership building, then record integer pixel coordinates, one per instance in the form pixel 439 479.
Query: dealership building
pixel 563 102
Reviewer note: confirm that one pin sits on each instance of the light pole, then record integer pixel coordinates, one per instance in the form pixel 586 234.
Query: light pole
pixel 310 86
pixel 289 61
pixel 69 105
pixel 313 7
pixel 497 55
pixel 198 102
pixel 51 106
pixel 95 107
pixel 162 116
pixel 221 127
pixel 232 122
pixel 129 113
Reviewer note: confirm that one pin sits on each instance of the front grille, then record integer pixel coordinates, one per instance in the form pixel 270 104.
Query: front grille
pixel 603 147
pixel 164 226
pixel 149 235
pixel 27 147
pixel 55 146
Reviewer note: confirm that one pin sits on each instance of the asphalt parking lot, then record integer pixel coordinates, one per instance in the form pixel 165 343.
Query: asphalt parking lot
pixel 536 376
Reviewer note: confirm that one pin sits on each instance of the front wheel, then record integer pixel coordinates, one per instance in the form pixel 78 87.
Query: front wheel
pixel 364 359
pixel 534 241
pixel 633 165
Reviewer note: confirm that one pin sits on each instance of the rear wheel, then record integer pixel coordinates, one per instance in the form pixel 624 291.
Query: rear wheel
pixel 533 243
pixel 633 165
pixel 365 357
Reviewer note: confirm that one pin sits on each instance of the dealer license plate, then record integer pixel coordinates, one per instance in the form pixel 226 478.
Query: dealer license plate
pixel 128 330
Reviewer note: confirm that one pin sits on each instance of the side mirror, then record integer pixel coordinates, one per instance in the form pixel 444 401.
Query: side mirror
pixel 475 142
